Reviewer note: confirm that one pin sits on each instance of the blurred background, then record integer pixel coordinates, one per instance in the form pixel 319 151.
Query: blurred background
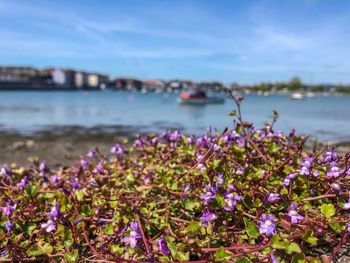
pixel 79 74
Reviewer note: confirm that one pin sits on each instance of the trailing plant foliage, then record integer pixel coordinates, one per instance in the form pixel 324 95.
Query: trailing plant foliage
pixel 242 195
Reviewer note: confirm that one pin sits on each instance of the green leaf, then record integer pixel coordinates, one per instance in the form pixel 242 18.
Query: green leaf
pixel 216 163
pixel 80 194
pixel 328 210
pixel 190 204
pixel 277 243
pixel 29 228
pixel 222 255
pixel 284 191
pixel 109 229
pixel 219 201
pixel 299 258
pixel 309 238
pixel 183 256
pixel 243 260
pixel 192 227
pixel 41 250
pixel 72 257
pixel 68 239
pixel 293 247
pixel 35 251
pixel 251 228
pixel 232 113
pixel 273 147
pixel 117 249
pixel 172 248
pixel 32 190
pixel 47 248
pixel 336 226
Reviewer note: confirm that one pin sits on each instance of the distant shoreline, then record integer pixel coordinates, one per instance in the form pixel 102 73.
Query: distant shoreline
pixel 61 146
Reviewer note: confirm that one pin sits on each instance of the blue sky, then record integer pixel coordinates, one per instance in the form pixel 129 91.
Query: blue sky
pixel 226 40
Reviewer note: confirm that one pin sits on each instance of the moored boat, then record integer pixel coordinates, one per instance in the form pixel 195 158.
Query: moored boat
pixel 297 96
pixel 198 98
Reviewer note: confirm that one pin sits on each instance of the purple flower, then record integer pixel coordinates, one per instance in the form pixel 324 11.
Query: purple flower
pixel 5 170
pixel 330 156
pixel 185 189
pixel 201 167
pixel 334 170
pixel 219 179
pixel 273 197
pixel 92 153
pixel 231 201
pixel 147 179
pixel 274 258
pixel 292 175
pixel 267 225
pixel 134 235
pixel 304 170
pixel 43 167
pixel 336 186
pixel 286 181
pixel 228 138
pixel 200 141
pixel 50 225
pixel 209 194
pixel 176 136
pixel 99 167
pixel 55 179
pixel 307 162
pixel 240 142
pixel 209 129
pixel 163 246
pixel 293 214
pixel 78 220
pixel 8 209
pixel 348 172
pixel 240 171
pixel 138 143
pixel 216 147
pixel 55 211
pixel 190 141
pixel 23 183
pixel 316 173
pixel 74 182
pixel 306 166
pixel 117 149
pixel 122 231
pixel 207 217
pixel 166 135
pixel 8 226
pixel 84 163
pixel 155 141
pixel 348 227
pixel 292 132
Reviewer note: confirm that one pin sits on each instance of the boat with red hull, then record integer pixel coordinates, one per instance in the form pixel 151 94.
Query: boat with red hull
pixel 198 98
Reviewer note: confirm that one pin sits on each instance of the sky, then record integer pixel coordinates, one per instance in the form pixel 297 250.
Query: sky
pixel 202 40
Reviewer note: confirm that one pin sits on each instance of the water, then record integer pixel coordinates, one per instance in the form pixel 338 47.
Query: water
pixel 326 118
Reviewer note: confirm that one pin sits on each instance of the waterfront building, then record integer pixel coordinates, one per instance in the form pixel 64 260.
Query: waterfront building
pixel 18 74
pixel 128 84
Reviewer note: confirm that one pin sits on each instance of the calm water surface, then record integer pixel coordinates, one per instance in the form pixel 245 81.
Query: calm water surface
pixel 327 118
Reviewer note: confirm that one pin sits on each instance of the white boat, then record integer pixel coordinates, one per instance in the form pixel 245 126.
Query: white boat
pixel 297 96
pixel 310 94
pixel 198 98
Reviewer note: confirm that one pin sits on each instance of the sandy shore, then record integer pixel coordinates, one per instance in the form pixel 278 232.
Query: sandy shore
pixel 62 146
pixel 59 146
